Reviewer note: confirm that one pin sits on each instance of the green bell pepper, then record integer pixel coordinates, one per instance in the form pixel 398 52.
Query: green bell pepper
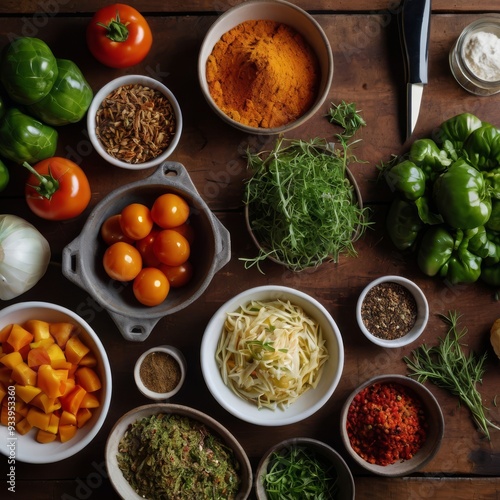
pixel 492 180
pixel 435 249
pixel 403 223
pixel 483 148
pixel 462 197
pixel 4 176
pixel 23 138
pixel 406 178
pixel 28 69
pixel 426 154
pixel 69 98
pixel 493 223
pixel 457 129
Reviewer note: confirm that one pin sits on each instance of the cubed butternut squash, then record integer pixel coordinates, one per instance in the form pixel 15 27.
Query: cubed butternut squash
pixel 53 423
pixel 71 402
pixel 90 400
pixel 51 381
pixel 56 354
pixel 23 426
pixel 61 332
pixel 66 432
pixel 88 379
pixel 38 356
pixel 75 349
pixel 67 418
pixel 23 374
pixel 38 418
pixel 5 332
pixel 12 359
pixel 27 392
pixel 83 416
pixel 19 337
pixel 44 437
pixel 38 328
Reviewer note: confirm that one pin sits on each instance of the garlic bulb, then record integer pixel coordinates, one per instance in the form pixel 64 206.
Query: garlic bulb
pixel 24 256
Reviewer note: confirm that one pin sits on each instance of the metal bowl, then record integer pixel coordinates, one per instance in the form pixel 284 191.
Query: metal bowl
pixel 82 258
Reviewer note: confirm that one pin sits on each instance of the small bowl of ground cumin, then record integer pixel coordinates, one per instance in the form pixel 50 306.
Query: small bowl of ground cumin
pixel 265 67
pixel 392 311
pixel 134 122
pixel 160 372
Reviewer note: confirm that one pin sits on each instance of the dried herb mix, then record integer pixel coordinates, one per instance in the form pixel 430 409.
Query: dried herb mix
pixel 160 372
pixel 389 311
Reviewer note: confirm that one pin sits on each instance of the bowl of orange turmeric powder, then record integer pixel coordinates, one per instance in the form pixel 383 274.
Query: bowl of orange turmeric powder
pixel 265 66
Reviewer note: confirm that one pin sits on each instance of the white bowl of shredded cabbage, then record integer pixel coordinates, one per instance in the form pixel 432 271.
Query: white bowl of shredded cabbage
pixel 272 355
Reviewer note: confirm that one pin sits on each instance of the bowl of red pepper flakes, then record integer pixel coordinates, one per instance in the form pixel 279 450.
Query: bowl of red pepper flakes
pixel 392 425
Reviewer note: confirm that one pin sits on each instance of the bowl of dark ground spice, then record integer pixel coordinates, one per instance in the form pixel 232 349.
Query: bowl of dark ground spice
pixel 265 66
pixel 392 311
pixel 134 122
pixel 160 372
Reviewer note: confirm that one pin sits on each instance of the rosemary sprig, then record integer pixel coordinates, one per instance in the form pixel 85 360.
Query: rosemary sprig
pixel 449 367
pixel 347 116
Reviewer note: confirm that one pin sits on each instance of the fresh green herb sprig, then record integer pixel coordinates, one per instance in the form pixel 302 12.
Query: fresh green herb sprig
pixel 298 473
pixel 449 367
pixel 302 207
pixel 347 116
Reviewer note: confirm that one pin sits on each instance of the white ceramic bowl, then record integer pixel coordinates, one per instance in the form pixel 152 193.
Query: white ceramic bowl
pixel 27 448
pixel 435 431
pixel 345 481
pixel 422 312
pixel 110 87
pixel 311 400
pixel 116 477
pixel 177 355
pixel 279 11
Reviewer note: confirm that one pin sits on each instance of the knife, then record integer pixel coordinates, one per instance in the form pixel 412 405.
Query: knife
pixel 414 18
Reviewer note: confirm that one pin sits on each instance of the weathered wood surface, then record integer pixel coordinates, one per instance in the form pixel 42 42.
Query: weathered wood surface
pixel 368 71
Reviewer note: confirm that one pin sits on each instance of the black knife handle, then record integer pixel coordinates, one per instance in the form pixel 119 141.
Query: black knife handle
pixel 414 18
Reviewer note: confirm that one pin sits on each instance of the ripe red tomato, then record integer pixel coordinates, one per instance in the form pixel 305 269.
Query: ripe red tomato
pixel 135 221
pixel 57 189
pixel 151 286
pixel 145 247
pixel 178 275
pixel 119 36
pixel 122 261
pixel 111 231
pixel 169 210
pixel 171 248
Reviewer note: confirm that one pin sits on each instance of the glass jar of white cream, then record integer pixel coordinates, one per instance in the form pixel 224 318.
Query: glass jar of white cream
pixel 475 57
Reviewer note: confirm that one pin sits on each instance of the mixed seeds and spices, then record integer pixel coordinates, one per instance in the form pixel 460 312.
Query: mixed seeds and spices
pixel 386 423
pixel 172 457
pixel 160 372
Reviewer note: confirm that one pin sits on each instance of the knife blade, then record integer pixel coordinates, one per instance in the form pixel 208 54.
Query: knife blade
pixel 414 18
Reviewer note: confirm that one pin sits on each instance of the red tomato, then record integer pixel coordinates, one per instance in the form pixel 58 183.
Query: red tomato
pixel 178 275
pixel 119 36
pixel 111 231
pixel 151 286
pixel 122 261
pixel 145 247
pixel 135 221
pixel 57 189
pixel 169 210
pixel 171 248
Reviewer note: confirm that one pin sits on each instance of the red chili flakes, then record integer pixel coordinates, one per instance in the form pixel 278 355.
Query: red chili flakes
pixel 386 423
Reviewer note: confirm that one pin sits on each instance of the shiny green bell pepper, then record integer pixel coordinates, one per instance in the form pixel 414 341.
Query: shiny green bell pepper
pixel 426 154
pixel 435 249
pixel 406 178
pixel 28 69
pixel 483 148
pixel 23 138
pixel 493 223
pixel 462 197
pixel 69 98
pixel 492 180
pixel 403 223
pixel 457 129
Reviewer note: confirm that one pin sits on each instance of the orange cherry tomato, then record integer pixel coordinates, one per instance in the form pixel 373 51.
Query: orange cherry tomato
pixel 151 286
pixel 171 248
pixel 119 36
pixel 111 230
pixel 57 189
pixel 178 275
pixel 186 230
pixel 145 247
pixel 122 261
pixel 170 210
pixel 136 221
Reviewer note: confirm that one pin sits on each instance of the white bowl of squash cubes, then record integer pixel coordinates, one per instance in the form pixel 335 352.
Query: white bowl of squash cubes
pixel 55 382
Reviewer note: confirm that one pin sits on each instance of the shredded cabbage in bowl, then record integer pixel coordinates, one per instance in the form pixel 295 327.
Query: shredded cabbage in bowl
pixel 271 352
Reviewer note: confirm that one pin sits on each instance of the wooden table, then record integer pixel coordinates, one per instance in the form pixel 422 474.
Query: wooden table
pixel 368 71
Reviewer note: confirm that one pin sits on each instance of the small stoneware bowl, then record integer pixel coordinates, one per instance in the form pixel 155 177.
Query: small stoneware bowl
pixel 433 416
pixel 422 312
pixel 282 12
pixel 344 487
pixel 172 354
pixel 118 480
pixel 96 104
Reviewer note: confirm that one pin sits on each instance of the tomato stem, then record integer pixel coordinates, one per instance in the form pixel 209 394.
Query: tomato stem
pixel 116 30
pixel 48 184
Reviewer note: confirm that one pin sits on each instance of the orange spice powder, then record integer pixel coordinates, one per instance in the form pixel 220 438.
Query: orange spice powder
pixel 263 74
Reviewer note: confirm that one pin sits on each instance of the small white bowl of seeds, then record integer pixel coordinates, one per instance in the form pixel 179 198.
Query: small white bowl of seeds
pixel 134 122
